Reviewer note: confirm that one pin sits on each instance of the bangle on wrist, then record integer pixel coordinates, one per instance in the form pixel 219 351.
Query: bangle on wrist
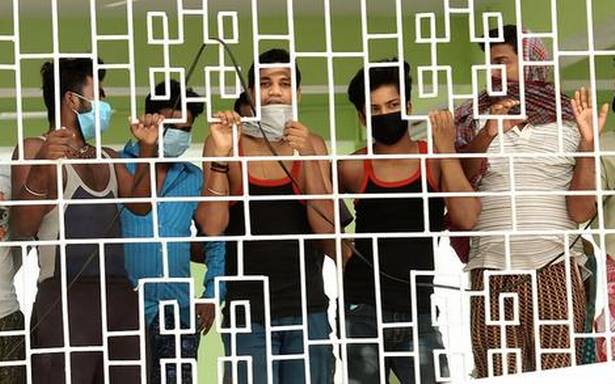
pixel 217 193
pixel 219 167
pixel 33 192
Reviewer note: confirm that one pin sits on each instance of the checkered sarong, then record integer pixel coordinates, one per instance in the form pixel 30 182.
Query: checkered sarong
pixel 552 305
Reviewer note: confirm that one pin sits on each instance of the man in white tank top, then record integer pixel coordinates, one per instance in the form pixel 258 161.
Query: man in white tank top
pixel 72 268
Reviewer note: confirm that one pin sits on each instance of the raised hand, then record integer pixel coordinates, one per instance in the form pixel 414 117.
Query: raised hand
pixel 443 131
pixel 297 136
pixel 502 107
pixel 583 112
pixel 145 129
pixel 58 145
pixel 222 132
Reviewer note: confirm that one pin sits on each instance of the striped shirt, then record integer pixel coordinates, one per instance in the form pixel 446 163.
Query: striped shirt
pixel 144 260
pixel 607 175
pixel 534 212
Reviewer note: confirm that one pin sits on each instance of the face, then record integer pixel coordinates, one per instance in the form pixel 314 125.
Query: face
pixel 87 91
pixel 505 54
pixel 275 86
pixel 169 113
pixel 385 99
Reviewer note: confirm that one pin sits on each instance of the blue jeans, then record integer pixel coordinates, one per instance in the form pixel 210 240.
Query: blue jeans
pixel 283 343
pixel 163 346
pixel 363 363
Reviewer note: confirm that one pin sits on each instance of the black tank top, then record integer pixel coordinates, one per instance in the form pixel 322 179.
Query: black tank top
pixel 398 256
pixel 276 259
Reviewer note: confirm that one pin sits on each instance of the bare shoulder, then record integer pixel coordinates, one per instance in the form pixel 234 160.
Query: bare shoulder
pixel 351 172
pixel 111 152
pixel 31 146
pixel 319 144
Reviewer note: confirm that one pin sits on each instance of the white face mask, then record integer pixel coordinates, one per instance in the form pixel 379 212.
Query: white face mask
pixel 273 121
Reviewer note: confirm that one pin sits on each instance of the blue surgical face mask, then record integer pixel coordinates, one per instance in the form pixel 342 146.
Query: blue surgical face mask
pixel 176 142
pixel 87 120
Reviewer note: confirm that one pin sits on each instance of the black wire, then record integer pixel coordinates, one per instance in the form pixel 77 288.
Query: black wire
pixel 355 251
pixel 298 187
pixel 295 183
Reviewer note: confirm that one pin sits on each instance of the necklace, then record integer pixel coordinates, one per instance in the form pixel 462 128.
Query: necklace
pixel 84 152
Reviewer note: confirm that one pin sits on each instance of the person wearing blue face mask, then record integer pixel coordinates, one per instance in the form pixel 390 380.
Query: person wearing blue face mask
pixel 144 260
pixel 81 275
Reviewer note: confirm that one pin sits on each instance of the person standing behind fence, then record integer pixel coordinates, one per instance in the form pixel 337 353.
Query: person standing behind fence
pixel 11 318
pixel 538 133
pixel 144 260
pixel 90 181
pixel 397 257
pixel 278 260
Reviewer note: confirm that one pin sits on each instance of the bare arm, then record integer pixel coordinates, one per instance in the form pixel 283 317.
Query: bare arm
pixel 36 182
pixel 213 216
pixel 138 185
pixel 582 208
pixel 463 211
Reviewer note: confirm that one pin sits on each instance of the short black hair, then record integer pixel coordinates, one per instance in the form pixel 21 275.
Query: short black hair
pixel 379 76
pixel 155 106
pixel 273 56
pixel 73 76
pixel 241 101
pixel 510 37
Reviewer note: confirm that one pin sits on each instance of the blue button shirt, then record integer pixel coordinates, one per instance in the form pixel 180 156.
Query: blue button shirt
pixel 144 260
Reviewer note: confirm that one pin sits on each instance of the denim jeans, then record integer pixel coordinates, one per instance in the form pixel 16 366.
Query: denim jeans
pixel 163 346
pixel 363 362
pixel 283 343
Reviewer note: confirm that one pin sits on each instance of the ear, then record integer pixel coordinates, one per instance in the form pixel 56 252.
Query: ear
pixel 252 95
pixel 409 108
pixel 299 94
pixel 71 101
pixel 362 118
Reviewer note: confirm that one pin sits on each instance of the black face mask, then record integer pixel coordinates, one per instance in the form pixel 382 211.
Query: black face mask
pixel 388 129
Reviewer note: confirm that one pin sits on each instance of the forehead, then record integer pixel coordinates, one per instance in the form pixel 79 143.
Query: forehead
pixel 502 50
pixel 275 73
pixel 384 94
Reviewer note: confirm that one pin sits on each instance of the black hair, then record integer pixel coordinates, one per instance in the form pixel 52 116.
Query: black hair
pixel 155 106
pixel 273 56
pixel 240 102
pixel 378 77
pixel 510 37
pixel 73 76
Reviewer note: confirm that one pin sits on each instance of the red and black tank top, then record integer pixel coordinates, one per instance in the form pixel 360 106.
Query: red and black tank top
pixel 397 256
pixel 278 260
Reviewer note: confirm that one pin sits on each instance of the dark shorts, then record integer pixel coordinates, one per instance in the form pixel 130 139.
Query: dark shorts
pixel 85 329
pixel 12 348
